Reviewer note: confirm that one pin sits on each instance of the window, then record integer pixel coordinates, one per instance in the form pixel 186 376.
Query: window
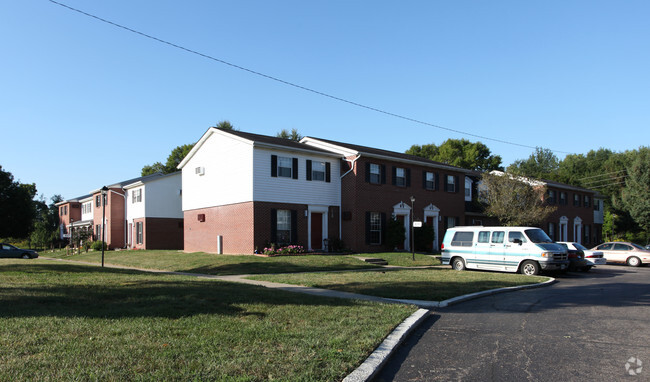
pixel 462 239
pixel 375 173
pixel 622 247
pixel 429 180
pixel 451 222
pixel 605 247
pixel 512 236
pixel 497 237
pixel 98 201
pixel 399 176
pixel 138 233
pixel 484 237
pixel 375 228
pixel 450 183
pixel 284 167
pixel 136 196
pixel 551 230
pixel 98 232
pixel 318 171
pixel 587 238
pixel 587 201
pixel 576 199
pixel 551 196
pixel 87 208
pixel 563 200
pixel 468 189
pixel 283 233
pixel 596 205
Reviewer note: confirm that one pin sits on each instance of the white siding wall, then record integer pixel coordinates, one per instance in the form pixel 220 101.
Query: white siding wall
pixel 228 164
pixel 301 191
pixel 135 210
pixel 163 197
pixel 88 215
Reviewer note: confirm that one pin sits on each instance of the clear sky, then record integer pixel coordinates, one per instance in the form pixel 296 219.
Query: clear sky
pixel 85 103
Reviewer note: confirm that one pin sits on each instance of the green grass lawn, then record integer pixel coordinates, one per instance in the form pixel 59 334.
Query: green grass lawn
pixel 416 284
pixel 73 322
pixel 206 263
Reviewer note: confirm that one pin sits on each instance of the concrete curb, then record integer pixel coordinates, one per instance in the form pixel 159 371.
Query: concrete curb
pixel 369 368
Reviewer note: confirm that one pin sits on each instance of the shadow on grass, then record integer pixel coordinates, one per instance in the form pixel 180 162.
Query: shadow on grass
pixel 262 267
pixel 63 290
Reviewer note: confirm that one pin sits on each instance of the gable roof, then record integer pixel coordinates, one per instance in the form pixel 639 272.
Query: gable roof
pixel 348 149
pixel 256 140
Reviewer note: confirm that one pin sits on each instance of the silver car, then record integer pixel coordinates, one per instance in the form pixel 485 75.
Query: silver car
pixel 591 257
pixel 624 252
pixel 8 250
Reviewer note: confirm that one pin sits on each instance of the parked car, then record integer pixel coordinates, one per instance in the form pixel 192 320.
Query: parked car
pixel 591 258
pixel 577 260
pixel 624 252
pixel 8 250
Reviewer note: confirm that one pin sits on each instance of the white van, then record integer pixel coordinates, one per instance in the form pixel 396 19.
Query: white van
pixel 511 249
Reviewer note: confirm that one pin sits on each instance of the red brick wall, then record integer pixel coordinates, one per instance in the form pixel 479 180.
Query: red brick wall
pixel 586 213
pixel 359 197
pixel 163 233
pixel 234 222
pixel 115 218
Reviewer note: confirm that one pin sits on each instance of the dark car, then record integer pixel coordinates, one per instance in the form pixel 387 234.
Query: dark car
pixel 8 250
pixel 577 261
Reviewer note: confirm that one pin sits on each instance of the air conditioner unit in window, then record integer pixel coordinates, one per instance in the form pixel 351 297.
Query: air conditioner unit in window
pixel 199 170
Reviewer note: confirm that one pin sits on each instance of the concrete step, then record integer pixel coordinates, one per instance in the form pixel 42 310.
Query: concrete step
pixel 376 261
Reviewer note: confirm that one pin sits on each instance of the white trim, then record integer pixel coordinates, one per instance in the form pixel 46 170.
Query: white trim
pixel 433 211
pixel 324 210
pixel 403 209
pixel 577 230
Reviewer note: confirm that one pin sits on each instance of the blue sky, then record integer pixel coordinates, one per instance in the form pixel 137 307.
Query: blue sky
pixel 85 103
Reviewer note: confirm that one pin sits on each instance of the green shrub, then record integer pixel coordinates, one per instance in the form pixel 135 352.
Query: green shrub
pixel 97 245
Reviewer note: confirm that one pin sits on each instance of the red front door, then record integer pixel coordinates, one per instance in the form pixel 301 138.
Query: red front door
pixel 316 230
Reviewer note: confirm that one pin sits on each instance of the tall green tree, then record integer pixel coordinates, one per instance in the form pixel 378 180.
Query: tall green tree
pixel 225 125
pixel 542 164
pixel 514 200
pixel 17 207
pixel 173 160
pixel 635 196
pixel 293 135
pixel 460 153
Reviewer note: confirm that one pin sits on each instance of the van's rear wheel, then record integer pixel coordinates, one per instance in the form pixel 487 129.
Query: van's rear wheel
pixel 458 264
pixel 530 268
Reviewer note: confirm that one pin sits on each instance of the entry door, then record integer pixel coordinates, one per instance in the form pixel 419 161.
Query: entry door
pixel 400 218
pixel 316 230
pixel 429 221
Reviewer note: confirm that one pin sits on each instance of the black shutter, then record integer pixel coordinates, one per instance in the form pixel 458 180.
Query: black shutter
pixel 393 180
pixel 328 169
pixel 424 180
pixel 457 186
pixel 367 227
pixel 383 228
pixel 308 169
pixel 274 226
pixel 294 227
pixel 436 178
pixel 445 182
pixel 408 177
pixel 383 174
pixel 295 168
pixel 274 166
pixel 368 172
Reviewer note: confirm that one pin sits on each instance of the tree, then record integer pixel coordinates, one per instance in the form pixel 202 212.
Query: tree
pixel 225 125
pixel 461 153
pixel 395 233
pixel 17 207
pixel 173 160
pixel 635 197
pixel 294 135
pixel 46 224
pixel 515 201
pixel 542 164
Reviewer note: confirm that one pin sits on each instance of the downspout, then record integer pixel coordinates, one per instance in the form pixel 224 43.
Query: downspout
pixel 352 164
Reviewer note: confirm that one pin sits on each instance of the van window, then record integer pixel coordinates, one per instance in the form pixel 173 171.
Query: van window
pixel 512 236
pixel 484 237
pixel 497 236
pixel 462 239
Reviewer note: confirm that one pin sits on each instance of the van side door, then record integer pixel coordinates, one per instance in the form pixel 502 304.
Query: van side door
pixel 481 248
pixel 516 249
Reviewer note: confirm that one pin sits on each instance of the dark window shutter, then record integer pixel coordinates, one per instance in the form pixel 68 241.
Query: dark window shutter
pixel 368 172
pixel 436 178
pixel 457 185
pixel 383 228
pixel 328 170
pixel 274 166
pixel 274 226
pixel 393 180
pixel 308 169
pixel 408 177
pixel 456 221
pixel 294 227
pixel 424 179
pixel 445 183
pixel 383 174
pixel 367 227
pixel 295 168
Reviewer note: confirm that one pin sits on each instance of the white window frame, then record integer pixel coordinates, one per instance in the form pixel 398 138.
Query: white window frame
pixel 451 183
pixel 430 180
pixel 283 227
pixel 375 173
pixel 318 171
pixel 375 228
pixel 400 177
pixel 136 195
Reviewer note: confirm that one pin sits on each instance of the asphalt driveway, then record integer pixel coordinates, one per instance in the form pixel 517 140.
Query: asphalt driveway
pixel 587 327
